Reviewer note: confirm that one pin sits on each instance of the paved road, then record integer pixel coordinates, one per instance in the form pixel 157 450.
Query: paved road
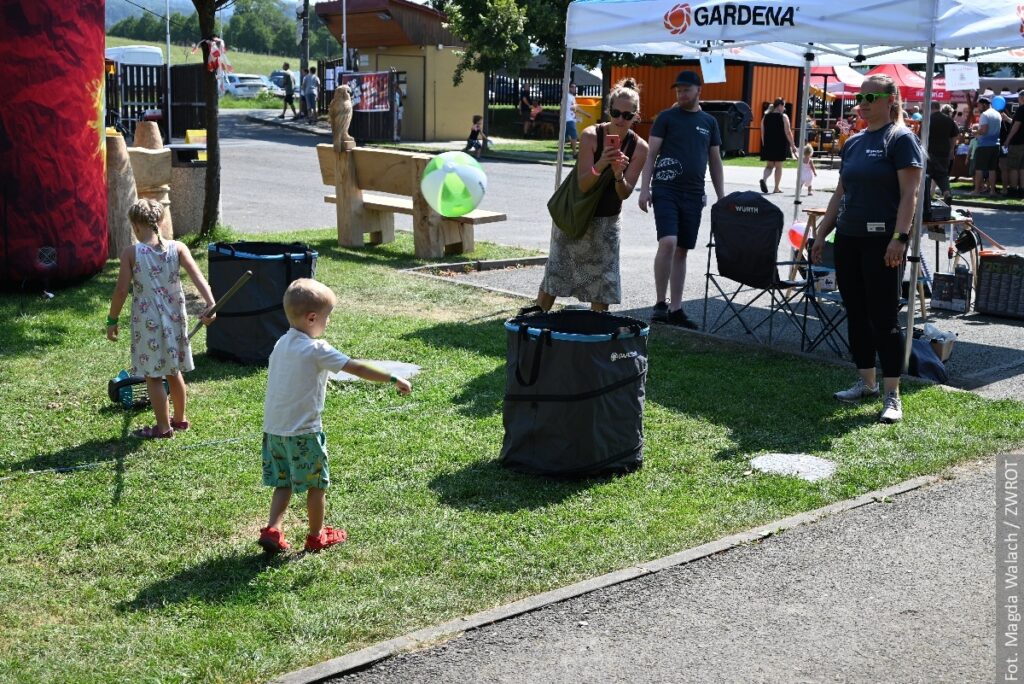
pixel 271 182
pixel 892 592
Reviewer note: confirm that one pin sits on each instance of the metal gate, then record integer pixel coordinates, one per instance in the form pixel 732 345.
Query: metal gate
pixel 188 101
pixel 134 89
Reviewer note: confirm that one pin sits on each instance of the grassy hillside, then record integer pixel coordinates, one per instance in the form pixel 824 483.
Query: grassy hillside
pixel 243 62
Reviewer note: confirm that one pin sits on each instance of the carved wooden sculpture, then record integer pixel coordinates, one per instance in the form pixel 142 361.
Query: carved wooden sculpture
pixel 121 194
pixel 340 113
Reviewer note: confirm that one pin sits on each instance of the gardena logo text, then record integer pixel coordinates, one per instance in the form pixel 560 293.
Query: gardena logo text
pixel 679 18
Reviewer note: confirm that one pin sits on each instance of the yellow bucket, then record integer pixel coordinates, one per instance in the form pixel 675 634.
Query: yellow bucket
pixel 592 107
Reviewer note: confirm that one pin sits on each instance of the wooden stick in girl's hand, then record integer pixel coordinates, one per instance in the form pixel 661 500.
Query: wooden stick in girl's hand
pixel 242 280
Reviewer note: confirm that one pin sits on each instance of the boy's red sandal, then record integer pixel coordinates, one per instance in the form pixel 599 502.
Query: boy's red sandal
pixel 272 540
pixel 329 536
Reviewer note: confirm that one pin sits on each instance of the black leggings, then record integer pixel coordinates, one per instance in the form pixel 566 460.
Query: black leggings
pixel 871 294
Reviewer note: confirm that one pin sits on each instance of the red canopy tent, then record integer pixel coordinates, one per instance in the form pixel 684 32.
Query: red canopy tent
pixel 839 80
pixel 910 84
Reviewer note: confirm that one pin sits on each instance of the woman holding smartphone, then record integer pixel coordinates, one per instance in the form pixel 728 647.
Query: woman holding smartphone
pixel 587 267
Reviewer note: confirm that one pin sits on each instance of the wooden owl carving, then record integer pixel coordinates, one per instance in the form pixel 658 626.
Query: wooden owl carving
pixel 341 116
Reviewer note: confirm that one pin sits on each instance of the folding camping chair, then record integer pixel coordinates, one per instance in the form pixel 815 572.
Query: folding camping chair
pixel 746 230
pixel 822 297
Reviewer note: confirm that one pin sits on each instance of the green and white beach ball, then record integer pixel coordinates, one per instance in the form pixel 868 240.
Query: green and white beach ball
pixel 453 184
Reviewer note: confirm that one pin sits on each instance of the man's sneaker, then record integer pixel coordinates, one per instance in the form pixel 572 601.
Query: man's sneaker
pixel 659 312
pixel 892 411
pixel 272 540
pixel 679 318
pixel 857 392
pixel 329 536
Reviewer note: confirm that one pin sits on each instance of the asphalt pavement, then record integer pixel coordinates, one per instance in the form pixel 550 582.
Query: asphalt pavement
pixel 899 590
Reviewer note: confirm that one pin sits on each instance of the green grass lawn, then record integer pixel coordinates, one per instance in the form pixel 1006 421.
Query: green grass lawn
pixel 141 565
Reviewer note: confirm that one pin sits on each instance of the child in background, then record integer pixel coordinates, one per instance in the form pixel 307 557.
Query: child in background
pixel 476 131
pixel 160 347
pixel 294 445
pixel 807 170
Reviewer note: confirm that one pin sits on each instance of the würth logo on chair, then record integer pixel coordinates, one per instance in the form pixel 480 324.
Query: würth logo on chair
pixel 679 18
pixel 744 209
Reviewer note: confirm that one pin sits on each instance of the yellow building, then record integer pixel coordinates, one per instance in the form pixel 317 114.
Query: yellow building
pixel 411 38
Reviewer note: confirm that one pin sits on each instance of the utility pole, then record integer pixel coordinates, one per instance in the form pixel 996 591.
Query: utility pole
pixel 167 21
pixel 304 47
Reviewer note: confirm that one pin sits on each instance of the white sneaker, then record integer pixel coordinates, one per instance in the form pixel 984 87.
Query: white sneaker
pixel 857 392
pixel 893 409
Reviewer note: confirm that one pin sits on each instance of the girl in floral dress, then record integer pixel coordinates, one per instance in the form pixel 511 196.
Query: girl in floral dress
pixel 160 347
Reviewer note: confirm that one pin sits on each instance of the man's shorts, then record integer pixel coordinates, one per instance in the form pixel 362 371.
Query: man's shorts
pixel 986 158
pixel 938 169
pixel 289 98
pixel 677 214
pixel 570 130
pixel 297 462
pixel 1015 157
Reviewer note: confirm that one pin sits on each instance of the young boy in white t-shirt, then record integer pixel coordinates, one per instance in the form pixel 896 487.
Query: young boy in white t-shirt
pixel 294 445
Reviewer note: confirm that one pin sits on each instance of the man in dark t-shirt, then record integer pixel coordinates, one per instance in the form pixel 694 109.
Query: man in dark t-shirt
pixel 942 135
pixel 684 141
pixel 526 109
pixel 1015 154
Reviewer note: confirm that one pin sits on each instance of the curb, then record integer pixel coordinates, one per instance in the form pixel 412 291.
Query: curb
pixel 429 636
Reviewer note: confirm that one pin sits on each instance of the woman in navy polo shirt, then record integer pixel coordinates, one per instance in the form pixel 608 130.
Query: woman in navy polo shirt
pixel 872 211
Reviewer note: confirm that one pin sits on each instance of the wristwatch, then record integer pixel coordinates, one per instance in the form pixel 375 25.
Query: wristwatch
pixel 901 237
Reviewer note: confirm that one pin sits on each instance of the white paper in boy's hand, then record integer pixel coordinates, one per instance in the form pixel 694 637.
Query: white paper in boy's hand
pixel 402 370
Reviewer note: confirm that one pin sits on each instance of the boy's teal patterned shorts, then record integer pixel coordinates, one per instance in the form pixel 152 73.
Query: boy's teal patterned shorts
pixel 298 462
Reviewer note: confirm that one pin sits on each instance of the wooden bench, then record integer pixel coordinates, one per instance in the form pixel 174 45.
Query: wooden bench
pixel 355 171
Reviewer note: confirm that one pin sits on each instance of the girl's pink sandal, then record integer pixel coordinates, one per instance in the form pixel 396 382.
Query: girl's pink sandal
pixel 152 432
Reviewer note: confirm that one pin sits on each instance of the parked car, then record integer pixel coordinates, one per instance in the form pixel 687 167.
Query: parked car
pixel 277 78
pixel 244 85
pixel 272 88
pixel 135 54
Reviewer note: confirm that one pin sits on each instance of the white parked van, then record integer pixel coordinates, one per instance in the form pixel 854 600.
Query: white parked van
pixel 135 54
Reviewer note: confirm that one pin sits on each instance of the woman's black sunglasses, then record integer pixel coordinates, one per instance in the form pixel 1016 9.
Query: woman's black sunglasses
pixel 628 116
pixel 870 97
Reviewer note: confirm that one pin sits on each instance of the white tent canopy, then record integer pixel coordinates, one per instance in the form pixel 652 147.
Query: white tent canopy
pixel 823 31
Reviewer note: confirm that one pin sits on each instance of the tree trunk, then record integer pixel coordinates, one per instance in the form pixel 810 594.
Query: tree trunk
pixel 207 17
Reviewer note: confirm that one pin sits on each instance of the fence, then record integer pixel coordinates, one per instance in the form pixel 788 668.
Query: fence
pixel 544 90
pixel 134 89
pixel 188 98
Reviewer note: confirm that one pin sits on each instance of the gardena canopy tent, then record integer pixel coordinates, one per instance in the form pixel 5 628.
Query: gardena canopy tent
pixel 810 26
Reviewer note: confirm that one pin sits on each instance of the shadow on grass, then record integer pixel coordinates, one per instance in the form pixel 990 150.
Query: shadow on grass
pixel 487 486
pixel 86 455
pixel 767 402
pixel 23 333
pixel 213 581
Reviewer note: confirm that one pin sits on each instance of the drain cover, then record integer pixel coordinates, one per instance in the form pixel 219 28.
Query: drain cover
pixel 804 466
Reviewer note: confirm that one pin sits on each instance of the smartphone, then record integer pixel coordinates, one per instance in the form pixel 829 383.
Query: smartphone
pixel 611 141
